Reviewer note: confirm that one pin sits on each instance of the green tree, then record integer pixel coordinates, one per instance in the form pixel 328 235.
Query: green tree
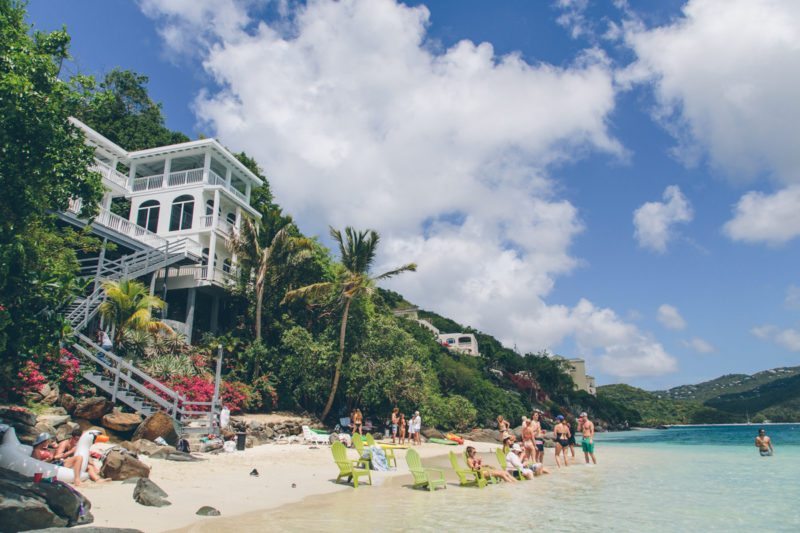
pixel 43 164
pixel 128 307
pixel 357 249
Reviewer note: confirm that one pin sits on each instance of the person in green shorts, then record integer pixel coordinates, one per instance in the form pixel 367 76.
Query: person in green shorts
pixel 587 428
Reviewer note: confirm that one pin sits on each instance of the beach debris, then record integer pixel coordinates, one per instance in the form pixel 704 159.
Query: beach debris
pixel 122 422
pixel 207 510
pixel 93 408
pixel 148 493
pixel 294 485
pixel 157 425
pixel 27 505
pixel 119 464
pixel 254 472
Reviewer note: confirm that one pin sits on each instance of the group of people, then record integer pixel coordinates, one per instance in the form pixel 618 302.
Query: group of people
pixel 399 425
pixel 46 449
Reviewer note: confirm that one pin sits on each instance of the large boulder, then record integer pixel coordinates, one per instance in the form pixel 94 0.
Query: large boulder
pixel 120 465
pixel 144 447
pixel 68 402
pixel 432 433
pixel 122 422
pixel 148 493
pixel 92 408
pixel 16 416
pixel 64 431
pixel 52 420
pixel 25 505
pixel 49 394
pixel 157 425
pixel 483 435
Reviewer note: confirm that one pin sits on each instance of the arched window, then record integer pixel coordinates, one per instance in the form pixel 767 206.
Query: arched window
pixel 182 211
pixel 147 216
pixel 231 218
pixel 204 255
pixel 210 208
pixel 226 265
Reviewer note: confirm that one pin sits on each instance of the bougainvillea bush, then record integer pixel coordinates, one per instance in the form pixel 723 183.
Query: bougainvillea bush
pixel 63 370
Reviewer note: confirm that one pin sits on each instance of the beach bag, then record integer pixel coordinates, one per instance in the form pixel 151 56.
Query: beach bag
pixel 379 462
pixel 183 445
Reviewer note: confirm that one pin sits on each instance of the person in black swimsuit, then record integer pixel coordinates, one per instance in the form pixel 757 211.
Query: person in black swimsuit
pixel 573 427
pixel 562 433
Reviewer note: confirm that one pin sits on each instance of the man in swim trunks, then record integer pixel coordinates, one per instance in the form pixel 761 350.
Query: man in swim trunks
pixel 764 443
pixel 395 421
pixel 66 450
pixel 538 435
pixel 587 428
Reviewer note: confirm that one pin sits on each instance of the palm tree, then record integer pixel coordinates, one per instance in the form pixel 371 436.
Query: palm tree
pixel 128 306
pixel 357 249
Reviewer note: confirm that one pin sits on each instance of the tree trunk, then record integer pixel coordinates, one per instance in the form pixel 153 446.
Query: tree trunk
pixel 338 372
pixel 259 304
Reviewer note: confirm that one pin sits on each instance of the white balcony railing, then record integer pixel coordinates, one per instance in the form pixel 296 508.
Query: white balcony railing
pixel 111 174
pixel 126 227
pixel 184 177
pixel 198 273
pixel 206 221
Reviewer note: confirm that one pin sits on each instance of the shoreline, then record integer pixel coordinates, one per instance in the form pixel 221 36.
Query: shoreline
pixel 289 475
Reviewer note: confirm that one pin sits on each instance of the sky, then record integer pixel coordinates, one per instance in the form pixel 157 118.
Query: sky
pixel 614 180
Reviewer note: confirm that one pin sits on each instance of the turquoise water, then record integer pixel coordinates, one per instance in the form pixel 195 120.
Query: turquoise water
pixel 683 479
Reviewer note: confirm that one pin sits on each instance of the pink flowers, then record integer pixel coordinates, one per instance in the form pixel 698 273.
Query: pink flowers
pixel 30 377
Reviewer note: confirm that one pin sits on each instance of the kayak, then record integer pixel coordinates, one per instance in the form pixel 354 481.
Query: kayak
pixel 446 442
pixel 454 438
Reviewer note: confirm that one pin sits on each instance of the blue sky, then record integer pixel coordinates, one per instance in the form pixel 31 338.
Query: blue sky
pixel 511 172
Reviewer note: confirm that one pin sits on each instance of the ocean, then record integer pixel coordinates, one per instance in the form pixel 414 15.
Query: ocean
pixel 680 479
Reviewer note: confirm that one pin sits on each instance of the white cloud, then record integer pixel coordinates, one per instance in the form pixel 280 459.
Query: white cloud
pixel 788 338
pixel 699 345
pixel 792 300
pixel 670 318
pixel 358 122
pixel 655 221
pixel 573 17
pixel 772 219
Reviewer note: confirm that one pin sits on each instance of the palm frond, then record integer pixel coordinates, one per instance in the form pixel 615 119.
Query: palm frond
pixel 309 292
pixel 411 267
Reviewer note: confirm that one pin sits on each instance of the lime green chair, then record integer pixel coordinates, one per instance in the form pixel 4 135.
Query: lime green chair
pixel 501 458
pixel 464 474
pixel 348 468
pixel 429 478
pixel 388 452
pixel 358 444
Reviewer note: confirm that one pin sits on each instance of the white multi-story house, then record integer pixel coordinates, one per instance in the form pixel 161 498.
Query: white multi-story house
pixel 184 199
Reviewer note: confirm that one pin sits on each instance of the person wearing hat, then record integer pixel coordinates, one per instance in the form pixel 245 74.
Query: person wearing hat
pixel 514 463
pixel 42 453
pixel 417 427
pixel 561 433
pixel 66 450
pixel 587 445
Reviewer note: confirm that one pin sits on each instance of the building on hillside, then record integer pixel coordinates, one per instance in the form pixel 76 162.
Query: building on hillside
pixel 412 313
pixel 460 342
pixel 184 200
pixel 582 380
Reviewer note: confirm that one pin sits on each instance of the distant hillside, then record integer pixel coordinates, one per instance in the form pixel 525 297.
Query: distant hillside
pixel 769 395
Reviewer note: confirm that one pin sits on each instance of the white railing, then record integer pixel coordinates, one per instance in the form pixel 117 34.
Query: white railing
pixel 75 205
pixel 126 227
pixel 206 221
pixel 185 177
pixel 224 226
pixel 109 173
pixel 198 273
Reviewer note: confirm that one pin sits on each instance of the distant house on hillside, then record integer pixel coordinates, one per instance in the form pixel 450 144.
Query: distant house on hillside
pixel 457 342
pixel 583 381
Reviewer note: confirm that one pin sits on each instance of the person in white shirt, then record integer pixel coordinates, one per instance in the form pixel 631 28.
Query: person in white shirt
pixel 514 463
pixel 417 427
pixel 411 426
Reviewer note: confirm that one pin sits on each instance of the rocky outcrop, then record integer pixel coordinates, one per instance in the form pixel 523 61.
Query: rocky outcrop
pixel 22 420
pixel 432 433
pixel 68 402
pixel 25 505
pixel 157 425
pixel 207 510
pixel 121 422
pixel 144 447
pixel 148 493
pixel 93 408
pixel 483 435
pixel 121 465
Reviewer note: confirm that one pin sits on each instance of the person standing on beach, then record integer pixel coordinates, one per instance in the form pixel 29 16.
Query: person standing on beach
pixel 527 440
pixel 417 427
pixel 358 422
pixel 401 427
pixel 561 434
pixel 538 435
pixel 573 428
pixel 395 421
pixel 764 444
pixel 587 444
pixel 502 426
pixel 411 426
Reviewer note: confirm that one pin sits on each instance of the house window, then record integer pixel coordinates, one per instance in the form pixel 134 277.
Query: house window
pixel 465 340
pixel 147 216
pixel 231 218
pixel 204 254
pixel 182 211
pixel 451 340
pixel 226 265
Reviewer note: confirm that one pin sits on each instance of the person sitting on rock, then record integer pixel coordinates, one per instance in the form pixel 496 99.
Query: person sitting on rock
pixel 42 452
pixel 66 450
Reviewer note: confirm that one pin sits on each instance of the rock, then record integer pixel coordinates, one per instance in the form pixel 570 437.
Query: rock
pixel 131 481
pixel 148 493
pixel 171 454
pixel 68 402
pixel 43 427
pixel 122 422
pixel 207 511
pixel 64 431
pixel 15 416
pixel 432 433
pixel 145 447
pixel 157 425
pixel 52 420
pixel 92 408
pixel 119 465
pixel 483 435
pixel 49 394
pixel 57 410
pixel 26 505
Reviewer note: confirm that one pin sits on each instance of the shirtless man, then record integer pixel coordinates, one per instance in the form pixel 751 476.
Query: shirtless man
pixel 395 422
pixel 587 428
pixel 764 443
pixel 538 435
pixel 41 451
pixel 66 450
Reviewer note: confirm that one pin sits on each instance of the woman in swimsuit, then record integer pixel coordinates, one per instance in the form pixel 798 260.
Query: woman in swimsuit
pixel 538 435
pixel 475 464
pixel 527 440
pixel 358 422
pixel 502 426
pixel 401 428
pixel 561 431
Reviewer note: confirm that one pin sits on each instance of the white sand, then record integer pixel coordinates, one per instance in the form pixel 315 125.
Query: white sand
pixel 223 481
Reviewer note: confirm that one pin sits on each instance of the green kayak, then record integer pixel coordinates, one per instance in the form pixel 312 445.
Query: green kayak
pixel 446 442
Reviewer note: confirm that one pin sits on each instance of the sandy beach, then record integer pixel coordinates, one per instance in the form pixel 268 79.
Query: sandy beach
pixel 289 474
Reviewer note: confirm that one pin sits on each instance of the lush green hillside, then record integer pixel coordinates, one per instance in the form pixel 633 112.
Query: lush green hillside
pixel 780 397
pixel 728 384
pixel 654 410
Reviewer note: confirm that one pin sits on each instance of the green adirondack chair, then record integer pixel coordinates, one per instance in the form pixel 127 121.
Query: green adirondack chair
pixel 501 458
pixel 464 474
pixel 358 444
pixel 347 468
pixel 388 452
pixel 429 478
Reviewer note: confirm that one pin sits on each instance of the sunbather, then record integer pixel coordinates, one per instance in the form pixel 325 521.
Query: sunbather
pixel 475 464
